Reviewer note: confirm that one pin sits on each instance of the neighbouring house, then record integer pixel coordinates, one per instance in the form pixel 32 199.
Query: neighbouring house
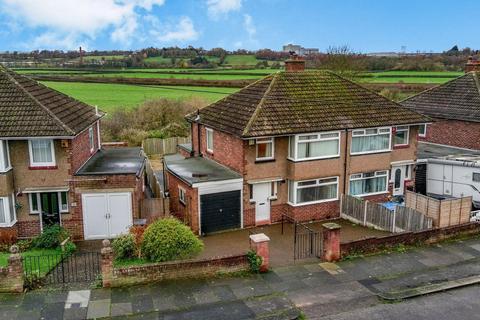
pixel 290 143
pixel 455 108
pixel 53 169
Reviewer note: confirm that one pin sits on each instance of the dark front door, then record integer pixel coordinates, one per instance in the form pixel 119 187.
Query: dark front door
pixel 50 209
pixel 220 211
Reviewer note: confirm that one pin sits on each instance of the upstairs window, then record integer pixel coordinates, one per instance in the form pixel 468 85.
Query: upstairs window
pixel 422 130
pixel 265 148
pixel 8 215
pixel 362 184
pixel 42 152
pixel 401 136
pixel 91 139
pixel 209 134
pixel 314 146
pixel 371 140
pixel 4 156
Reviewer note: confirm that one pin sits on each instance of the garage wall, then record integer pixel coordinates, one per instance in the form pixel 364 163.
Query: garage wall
pixel 187 213
pixel 92 184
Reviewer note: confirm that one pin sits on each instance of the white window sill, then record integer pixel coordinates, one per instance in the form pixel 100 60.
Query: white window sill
pixel 41 165
pixel 6 170
pixel 8 225
pixel 369 152
pixel 264 159
pixel 315 158
pixel 311 202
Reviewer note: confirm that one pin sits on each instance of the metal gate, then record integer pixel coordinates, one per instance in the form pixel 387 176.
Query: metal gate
pixel 62 268
pixel 308 243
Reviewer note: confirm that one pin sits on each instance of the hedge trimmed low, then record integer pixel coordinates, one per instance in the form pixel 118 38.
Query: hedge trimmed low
pixel 169 239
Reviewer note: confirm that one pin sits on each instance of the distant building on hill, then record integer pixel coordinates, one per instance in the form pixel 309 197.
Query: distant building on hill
pixel 298 49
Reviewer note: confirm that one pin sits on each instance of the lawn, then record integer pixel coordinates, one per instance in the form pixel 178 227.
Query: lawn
pixel 179 75
pixel 241 59
pixel 110 96
pixel 50 258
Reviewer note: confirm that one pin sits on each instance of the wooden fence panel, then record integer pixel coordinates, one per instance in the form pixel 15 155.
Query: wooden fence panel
pixel 154 208
pixel 161 147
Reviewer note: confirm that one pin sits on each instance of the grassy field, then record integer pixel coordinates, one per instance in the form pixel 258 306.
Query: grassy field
pixel 179 75
pixel 411 80
pixel 110 96
pixel 241 60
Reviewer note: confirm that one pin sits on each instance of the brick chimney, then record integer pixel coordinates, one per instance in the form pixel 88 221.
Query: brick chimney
pixel 295 63
pixel 472 65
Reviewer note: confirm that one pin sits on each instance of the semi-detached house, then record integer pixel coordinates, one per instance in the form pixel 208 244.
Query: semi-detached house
pixel 291 143
pixel 53 169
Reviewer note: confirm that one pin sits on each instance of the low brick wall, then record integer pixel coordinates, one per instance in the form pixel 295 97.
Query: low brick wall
pixel 11 277
pixel 177 269
pixel 375 244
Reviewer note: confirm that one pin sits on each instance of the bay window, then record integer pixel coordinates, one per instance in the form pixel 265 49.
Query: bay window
pixel 42 152
pixel 368 183
pixel 314 146
pixel 265 148
pixel 401 136
pixel 312 191
pixel 370 140
pixel 4 156
pixel 8 215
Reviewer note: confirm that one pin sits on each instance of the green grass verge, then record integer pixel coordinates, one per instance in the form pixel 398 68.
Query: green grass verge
pixel 108 97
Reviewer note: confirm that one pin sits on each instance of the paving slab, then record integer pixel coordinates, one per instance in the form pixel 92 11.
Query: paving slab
pixel 78 298
pixel 236 310
pixel 98 309
pixel 121 309
pixel 53 311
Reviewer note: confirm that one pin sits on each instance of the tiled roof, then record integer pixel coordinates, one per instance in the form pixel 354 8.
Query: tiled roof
pixel 30 109
pixel 298 102
pixel 458 99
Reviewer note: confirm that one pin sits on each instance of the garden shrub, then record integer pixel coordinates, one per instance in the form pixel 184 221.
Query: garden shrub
pixel 51 237
pixel 124 247
pixel 70 247
pixel 169 239
pixel 137 233
pixel 254 261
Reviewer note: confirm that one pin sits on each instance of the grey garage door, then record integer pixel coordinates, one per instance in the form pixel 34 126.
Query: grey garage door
pixel 220 211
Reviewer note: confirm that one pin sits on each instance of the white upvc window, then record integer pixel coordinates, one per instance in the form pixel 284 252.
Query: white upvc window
pixel 371 140
pixel 422 130
pixel 209 136
pixel 313 146
pixel 265 149
pixel 401 136
pixel 312 191
pixel 8 214
pixel 368 183
pixel 42 152
pixel 5 164
pixel 182 195
pixel 35 202
pixel 91 140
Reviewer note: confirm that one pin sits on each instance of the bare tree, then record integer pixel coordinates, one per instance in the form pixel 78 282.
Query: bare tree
pixel 342 60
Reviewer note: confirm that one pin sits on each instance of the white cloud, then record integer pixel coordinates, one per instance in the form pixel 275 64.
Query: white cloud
pixel 217 8
pixel 70 21
pixel 182 31
pixel 249 25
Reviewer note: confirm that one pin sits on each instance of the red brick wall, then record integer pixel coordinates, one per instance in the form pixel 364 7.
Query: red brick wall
pixel 456 133
pixel 188 213
pixel 227 149
pixel 319 211
pixel 28 229
pixel 80 148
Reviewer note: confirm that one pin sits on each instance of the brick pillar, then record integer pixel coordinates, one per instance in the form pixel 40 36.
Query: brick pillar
pixel 331 241
pixel 259 244
pixel 107 264
pixel 15 271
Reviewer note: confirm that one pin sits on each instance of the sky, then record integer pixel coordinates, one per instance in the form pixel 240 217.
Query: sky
pixel 363 25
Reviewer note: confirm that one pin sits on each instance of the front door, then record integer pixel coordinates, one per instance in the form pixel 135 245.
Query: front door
pixel 261 196
pixel 50 209
pixel 398 177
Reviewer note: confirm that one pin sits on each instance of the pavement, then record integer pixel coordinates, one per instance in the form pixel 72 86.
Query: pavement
pixel 351 289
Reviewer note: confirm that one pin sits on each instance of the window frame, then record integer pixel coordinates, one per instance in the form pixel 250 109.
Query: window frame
pixel 424 134
pixel 403 129
pixel 91 139
pixel 7 201
pixel 209 131
pixel 364 134
pixel 475 174
pixel 379 173
pixel 294 184
pixel 182 195
pixel 33 164
pixel 271 141
pixel 296 141
pixel 4 146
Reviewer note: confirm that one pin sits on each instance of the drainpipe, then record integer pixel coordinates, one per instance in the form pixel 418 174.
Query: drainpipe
pixel 345 164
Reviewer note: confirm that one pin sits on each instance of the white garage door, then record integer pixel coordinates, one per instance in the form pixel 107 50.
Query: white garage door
pixel 106 215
